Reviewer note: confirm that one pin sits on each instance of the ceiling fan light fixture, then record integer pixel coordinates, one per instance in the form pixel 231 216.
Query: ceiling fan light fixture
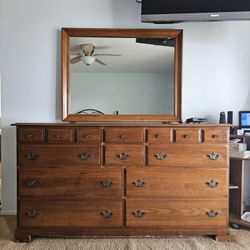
pixel 88 60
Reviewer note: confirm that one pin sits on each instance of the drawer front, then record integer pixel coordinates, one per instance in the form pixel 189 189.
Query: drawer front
pixel 58 155
pixel 187 135
pixel 70 214
pixel 159 135
pixel 124 135
pixel 216 135
pixel 30 135
pixel 188 155
pixel 184 214
pixel 70 184
pixel 60 135
pixel 124 155
pixel 177 182
pixel 88 135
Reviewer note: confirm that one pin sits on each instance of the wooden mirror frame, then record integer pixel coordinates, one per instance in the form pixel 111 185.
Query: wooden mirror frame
pixel 123 33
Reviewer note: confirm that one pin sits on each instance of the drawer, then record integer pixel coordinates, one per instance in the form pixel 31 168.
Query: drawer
pixel 187 135
pixel 30 135
pixel 60 135
pixel 58 155
pixel 177 182
pixel 70 184
pixel 124 155
pixel 124 135
pixel 159 135
pixel 88 135
pixel 216 135
pixel 177 214
pixel 69 214
pixel 188 155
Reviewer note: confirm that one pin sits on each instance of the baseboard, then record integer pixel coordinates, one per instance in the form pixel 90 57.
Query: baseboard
pixel 8 212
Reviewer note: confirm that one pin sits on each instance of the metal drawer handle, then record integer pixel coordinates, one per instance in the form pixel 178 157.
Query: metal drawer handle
pixel 158 136
pixel 107 182
pixel 139 183
pixel 213 156
pixel 32 214
pixel 86 136
pixel 29 136
pixel 160 156
pixel 212 214
pixel 186 136
pixel 58 136
pixel 212 183
pixel 31 156
pixel 123 137
pixel 123 156
pixel 32 183
pixel 215 136
pixel 106 213
pixel 138 213
pixel 85 155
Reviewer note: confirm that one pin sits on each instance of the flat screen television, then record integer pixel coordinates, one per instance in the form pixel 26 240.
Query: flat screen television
pixel 244 119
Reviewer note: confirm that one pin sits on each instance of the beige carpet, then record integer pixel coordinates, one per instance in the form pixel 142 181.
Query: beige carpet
pixel 240 240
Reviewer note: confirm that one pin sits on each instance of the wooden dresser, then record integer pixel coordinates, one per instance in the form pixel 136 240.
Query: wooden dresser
pixel 122 180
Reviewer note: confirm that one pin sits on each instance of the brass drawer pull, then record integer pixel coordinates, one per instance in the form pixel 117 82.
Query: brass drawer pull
pixel 86 136
pixel 29 136
pixel 32 183
pixel 32 214
pixel 139 183
pixel 123 137
pixel 106 213
pixel 85 155
pixel 213 156
pixel 160 156
pixel 215 136
pixel 212 214
pixel 212 183
pixel 138 213
pixel 58 136
pixel 186 136
pixel 122 156
pixel 31 156
pixel 107 182
pixel 158 136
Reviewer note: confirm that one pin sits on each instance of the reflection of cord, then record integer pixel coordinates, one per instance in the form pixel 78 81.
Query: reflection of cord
pixel 138 1
pixel 90 112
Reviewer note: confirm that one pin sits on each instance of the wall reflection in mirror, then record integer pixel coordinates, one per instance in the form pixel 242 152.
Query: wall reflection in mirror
pixel 122 75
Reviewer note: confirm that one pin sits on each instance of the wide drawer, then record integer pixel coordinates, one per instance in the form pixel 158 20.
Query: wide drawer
pixel 124 155
pixel 214 135
pixel 159 135
pixel 88 135
pixel 124 135
pixel 188 155
pixel 58 155
pixel 60 135
pixel 70 184
pixel 177 182
pixel 182 214
pixel 70 214
pixel 30 135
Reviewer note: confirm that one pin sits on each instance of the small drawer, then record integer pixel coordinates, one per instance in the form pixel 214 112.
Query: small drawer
pixel 60 135
pixel 88 135
pixel 216 135
pixel 124 135
pixel 85 213
pixel 181 213
pixel 187 135
pixel 124 155
pixel 30 135
pixel 159 135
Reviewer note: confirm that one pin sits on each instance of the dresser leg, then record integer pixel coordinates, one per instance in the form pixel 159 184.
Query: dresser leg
pixel 223 237
pixel 22 237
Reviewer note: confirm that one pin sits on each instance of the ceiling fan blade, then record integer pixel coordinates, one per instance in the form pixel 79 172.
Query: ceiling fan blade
pixel 100 62
pixel 106 55
pixel 75 59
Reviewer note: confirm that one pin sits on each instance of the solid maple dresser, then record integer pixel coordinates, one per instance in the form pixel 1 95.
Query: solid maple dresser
pixel 79 179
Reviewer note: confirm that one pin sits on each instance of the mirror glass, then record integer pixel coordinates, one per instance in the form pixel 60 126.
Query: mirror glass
pixel 121 74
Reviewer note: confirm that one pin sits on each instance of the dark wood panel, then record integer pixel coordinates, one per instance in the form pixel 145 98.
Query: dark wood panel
pixel 60 135
pixel 159 135
pixel 216 135
pixel 187 135
pixel 88 135
pixel 30 135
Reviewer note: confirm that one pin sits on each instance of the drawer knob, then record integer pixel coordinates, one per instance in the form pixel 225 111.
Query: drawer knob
pixel 29 136
pixel 212 183
pixel 139 183
pixel 123 137
pixel 106 213
pixel 86 136
pixel 107 182
pixel 31 156
pixel 32 183
pixel 58 136
pixel 215 136
pixel 32 214
pixel 158 136
pixel 122 156
pixel 85 155
pixel 213 156
pixel 138 213
pixel 186 136
pixel 160 156
pixel 212 213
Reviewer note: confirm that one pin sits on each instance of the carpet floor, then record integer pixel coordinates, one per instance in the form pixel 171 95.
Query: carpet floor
pixel 240 240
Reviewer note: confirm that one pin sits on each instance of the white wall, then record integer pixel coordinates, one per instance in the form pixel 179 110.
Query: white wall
pixel 216 57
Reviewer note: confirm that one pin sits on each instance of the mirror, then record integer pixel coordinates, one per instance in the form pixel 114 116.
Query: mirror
pixel 125 75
